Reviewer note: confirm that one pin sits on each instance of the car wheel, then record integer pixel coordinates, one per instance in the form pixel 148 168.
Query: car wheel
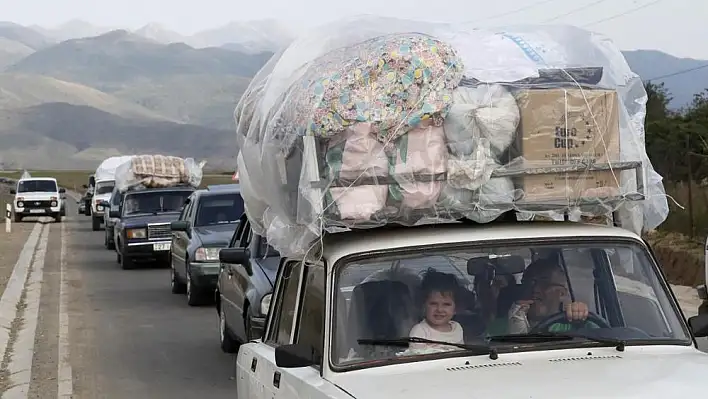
pixel 111 245
pixel 247 326
pixel 194 296
pixel 126 263
pixel 95 224
pixel 18 218
pixel 177 286
pixel 226 337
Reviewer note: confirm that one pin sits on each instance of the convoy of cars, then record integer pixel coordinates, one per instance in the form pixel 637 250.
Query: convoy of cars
pixel 336 323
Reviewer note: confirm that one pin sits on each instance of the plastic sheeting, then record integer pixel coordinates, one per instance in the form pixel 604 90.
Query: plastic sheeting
pixel 371 121
pixel 107 169
pixel 158 171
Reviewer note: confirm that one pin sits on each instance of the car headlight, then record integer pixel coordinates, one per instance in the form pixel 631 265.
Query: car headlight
pixel 20 204
pixel 265 304
pixel 99 207
pixel 136 233
pixel 54 203
pixel 207 254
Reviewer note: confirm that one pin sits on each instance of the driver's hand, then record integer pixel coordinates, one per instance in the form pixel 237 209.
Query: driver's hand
pixel 576 311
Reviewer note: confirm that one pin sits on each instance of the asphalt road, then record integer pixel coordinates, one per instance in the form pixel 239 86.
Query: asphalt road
pixel 91 330
pixel 147 342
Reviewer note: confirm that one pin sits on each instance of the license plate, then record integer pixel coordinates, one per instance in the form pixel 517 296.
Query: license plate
pixel 162 246
pixel 36 210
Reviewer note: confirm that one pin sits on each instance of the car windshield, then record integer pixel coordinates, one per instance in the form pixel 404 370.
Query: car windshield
pixel 104 187
pixel 506 298
pixel 219 209
pixel 154 202
pixel 29 186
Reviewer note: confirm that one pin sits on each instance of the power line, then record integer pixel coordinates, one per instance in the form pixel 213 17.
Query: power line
pixel 515 11
pixel 622 14
pixel 680 72
pixel 573 11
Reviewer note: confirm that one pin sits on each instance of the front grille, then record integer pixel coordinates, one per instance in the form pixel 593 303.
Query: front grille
pixel 37 204
pixel 159 231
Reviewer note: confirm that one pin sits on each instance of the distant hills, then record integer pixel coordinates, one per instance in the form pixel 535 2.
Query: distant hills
pixel 75 94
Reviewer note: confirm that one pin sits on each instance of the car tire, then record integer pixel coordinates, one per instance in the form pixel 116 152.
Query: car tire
pixel 247 328
pixel 195 296
pixel 177 286
pixel 126 263
pixel 226 337
pixel 111 245
pixel 18 218
pixel 95 224
pixel 57 217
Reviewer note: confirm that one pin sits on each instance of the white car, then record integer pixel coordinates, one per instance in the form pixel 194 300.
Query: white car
pixel 339 322
pixel 101 196
pixel 38 196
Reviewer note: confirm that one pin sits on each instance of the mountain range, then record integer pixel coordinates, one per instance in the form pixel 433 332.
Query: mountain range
pixel 75 94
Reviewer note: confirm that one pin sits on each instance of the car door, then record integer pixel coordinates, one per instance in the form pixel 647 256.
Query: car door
pixel 256 371
pixel 239 281
pixel 180 241
pixel 226 285
pixel 297 317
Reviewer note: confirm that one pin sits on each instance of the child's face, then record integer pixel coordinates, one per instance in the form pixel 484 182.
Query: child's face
pixel 439 308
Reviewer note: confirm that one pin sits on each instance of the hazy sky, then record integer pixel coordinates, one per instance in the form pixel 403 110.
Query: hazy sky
pixel 678 27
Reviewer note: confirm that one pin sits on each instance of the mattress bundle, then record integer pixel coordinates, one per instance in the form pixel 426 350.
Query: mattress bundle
pixel 365 124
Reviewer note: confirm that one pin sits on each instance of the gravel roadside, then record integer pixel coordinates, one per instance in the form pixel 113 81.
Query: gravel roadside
pixel 10 244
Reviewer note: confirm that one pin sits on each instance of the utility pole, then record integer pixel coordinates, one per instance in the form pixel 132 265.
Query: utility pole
pixel 690 185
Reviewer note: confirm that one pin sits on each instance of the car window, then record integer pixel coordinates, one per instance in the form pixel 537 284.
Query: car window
pixel 153 202
pixel 183 215
pixel 104 187
pixel 30 186
pixel 284 314
pixel 386 296
pixel 115 199
pixel 219 209
pixel 311 320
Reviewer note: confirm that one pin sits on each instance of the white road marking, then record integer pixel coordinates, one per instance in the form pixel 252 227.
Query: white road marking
pixel 13 290
pixel 20 367
pixel 64 371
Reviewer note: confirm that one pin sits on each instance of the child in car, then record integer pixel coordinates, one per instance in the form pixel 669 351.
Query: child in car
pixel 438 292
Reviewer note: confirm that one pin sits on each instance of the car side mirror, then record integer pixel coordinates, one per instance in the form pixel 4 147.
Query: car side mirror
pixel 114 214
pixel 62 190
pixel 13 191
pixel 295 355
pixel 237 256
pixel 180 225
pixel 699 325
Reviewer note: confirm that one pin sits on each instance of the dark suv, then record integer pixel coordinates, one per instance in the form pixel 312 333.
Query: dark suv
pixel 142 230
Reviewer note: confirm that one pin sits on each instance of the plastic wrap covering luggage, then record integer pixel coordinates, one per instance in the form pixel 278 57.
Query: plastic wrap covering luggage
pixel 158 171
pixel 107 169
pixel 364 123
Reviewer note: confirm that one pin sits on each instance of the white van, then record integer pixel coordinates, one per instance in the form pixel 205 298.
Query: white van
pixel 38 196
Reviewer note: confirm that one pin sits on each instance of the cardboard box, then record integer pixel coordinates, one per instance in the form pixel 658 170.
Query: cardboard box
pixel 568 126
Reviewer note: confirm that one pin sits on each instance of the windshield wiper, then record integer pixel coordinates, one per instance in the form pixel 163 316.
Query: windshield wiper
pixel 405 341
pixel 552 337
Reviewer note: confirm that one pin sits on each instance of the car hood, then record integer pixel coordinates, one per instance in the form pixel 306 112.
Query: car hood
pixel 142 220
pixel 639 372
pixel 103 197
pixel 38 195
pixel 217 235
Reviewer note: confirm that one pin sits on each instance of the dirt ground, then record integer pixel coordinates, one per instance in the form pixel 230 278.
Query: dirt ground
pixel 681 258
pixel 10 244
